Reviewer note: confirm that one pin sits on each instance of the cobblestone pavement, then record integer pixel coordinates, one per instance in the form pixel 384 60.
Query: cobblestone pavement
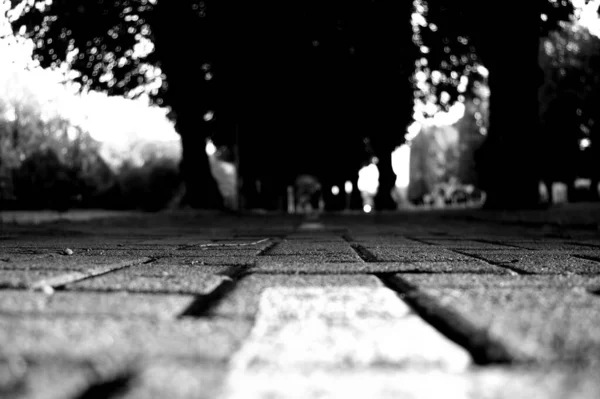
pixel 462 304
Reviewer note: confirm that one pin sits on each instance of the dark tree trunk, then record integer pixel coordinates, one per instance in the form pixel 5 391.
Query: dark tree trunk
pixel 201 190
pixel 389 66
pixel 387 181
pixel 185 43
pixel 509 160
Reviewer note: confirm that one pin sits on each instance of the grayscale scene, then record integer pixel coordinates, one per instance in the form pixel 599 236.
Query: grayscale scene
pixel 299 199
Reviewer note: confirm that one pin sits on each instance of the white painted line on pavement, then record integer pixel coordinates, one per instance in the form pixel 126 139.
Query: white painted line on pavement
pixel 343 334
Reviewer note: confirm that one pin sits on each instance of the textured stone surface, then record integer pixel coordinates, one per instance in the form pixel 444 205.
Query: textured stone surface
pixel 554 319
pixel 181 325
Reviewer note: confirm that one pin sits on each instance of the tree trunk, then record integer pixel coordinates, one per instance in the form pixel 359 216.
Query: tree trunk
pixel 508 162
pixel 387 181
pixel 201 189
pixel 388 66
pixel 189 94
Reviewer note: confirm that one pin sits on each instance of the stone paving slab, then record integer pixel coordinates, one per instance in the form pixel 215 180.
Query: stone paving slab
pixel 51 378
pixel 317 237
pixel 590 242
pixel 458 244
pixel 466 281
pixel 177 323
pixel 47 285
pixel 285 266
pixel 178 240
pixel 387 240
pixel 56 258
pixel 485 384
pixel 555 322
pixel 539 262
pixel 119 244
pixel 205 261
pixel 87 337
pixel 342 327
pixel 15 303
pixel 313 252
pixel 137 252
pixel 177 380
pixel 420 254
pixel 175 282
pixel 55 262
pixel 547 245
pixel 24 279
pixel 244 300
pixel 302 247
pixel 348 257
pixel 169 267
pixel 592 254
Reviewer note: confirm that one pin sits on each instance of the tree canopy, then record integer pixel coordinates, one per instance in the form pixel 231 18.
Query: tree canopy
pixel 108 43
pixel 329 74
pixel 453 38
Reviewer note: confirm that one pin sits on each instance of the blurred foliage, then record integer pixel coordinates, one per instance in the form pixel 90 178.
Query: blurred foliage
pixel 443 153
pixel 570 103
pixel 106 42
pixel 129 47
pixel 150 186
pixel 111 45
pixel 47 161
pixel 452 39
pixel 434 159
pixel 570 59
pixel 472 128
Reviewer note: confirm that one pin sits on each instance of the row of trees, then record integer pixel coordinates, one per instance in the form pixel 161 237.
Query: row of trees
pixel 325 73
pixel 328 70
pixel 570 105
pixel 542 73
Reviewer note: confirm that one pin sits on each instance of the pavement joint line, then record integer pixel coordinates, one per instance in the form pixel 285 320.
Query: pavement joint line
pixel 582 244
pixel 501 243
pixel 421 241
pixel 310 273
pixel 587 257
pixel 593 291
pixel 363 253
pixel 485 350
pixel 203 303
pixel 512 270
pixel 347 237
pixel 109 387
pixel 269 247
pixel 575 226
pixel 49 284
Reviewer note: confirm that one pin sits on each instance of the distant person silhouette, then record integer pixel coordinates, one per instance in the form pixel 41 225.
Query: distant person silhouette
pixel 308 194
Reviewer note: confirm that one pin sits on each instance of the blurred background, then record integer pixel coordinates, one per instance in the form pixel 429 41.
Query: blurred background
pixel 147 105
